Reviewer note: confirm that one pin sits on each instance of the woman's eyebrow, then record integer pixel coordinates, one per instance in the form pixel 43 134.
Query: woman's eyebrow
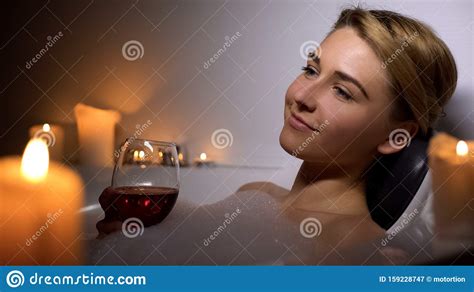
pixel 348 78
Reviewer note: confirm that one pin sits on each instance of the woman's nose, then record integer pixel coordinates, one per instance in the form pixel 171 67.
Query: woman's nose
pixel 305 98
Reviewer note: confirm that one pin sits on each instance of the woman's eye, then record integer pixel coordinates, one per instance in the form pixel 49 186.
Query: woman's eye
pixel 343 94
pixel 309 71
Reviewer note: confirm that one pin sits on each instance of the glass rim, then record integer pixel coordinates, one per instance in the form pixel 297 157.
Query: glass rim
pixel 133 139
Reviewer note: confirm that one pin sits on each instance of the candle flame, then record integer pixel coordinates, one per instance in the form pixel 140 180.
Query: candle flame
pixel 35 160
pixel 46 128
pixel 180 156
pixel 203 156
pixel 461 148
pixel 138 155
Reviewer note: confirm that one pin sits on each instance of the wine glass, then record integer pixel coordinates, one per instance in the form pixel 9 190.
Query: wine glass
pixel 145 182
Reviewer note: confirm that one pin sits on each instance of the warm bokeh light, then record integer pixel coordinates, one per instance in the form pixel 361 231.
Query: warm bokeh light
pixel 35 161
pixel 203 156
pixel 461 148
pixel 138 155
pixel 46 128
pixel 135 155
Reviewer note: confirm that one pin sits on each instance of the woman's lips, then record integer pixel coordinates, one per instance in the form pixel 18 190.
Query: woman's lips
pixel 298 124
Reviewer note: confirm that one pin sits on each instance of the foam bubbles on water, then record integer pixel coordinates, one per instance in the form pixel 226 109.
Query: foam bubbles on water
pixel 247 228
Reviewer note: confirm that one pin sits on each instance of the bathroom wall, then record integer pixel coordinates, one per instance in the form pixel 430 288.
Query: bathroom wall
pixel 172 83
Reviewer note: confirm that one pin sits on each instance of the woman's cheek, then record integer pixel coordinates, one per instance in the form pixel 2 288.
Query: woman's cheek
pixel 342 132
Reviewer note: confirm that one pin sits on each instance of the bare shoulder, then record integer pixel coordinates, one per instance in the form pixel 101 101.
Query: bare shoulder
pixel 265 186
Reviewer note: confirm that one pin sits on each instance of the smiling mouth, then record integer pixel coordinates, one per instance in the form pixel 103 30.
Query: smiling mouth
pixel 299 124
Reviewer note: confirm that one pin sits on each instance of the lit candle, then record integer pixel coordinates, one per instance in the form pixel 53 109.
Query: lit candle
pixel 452 168
pixel 39 203
pixel 53 135
pixel 135 155
pixel 181 155
pixel 138 155
pixel 160 157
pixel 203 160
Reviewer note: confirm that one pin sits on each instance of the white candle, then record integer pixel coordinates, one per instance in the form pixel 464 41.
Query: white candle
pixel 39 203
pixel 96 129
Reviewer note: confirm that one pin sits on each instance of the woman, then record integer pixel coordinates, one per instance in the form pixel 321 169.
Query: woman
pixel 376 72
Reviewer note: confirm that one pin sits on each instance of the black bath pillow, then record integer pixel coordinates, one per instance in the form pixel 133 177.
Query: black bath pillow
pixel 393 180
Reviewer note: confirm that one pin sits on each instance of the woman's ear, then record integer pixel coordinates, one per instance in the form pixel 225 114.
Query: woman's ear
pixel 399 138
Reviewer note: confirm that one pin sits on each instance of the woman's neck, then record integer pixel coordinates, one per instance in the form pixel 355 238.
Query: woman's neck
pixel 329 189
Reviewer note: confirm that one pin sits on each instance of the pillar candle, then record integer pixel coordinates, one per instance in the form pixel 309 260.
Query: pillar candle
pixel 96 128
pixel 452 165
pixel 39 204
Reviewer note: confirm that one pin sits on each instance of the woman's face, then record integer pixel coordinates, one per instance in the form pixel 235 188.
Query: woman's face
pixel 338 109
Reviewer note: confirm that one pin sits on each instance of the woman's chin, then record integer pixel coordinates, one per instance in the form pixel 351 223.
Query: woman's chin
pixel 298 145
pixel 289 141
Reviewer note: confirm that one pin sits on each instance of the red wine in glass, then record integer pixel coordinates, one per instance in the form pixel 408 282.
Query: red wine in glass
pixel 149 204
pixel 145 184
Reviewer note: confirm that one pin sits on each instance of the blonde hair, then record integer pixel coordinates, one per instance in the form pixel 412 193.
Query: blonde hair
pixel 420 67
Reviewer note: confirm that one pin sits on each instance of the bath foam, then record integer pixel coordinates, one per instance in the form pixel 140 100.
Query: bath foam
pixel 246 228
